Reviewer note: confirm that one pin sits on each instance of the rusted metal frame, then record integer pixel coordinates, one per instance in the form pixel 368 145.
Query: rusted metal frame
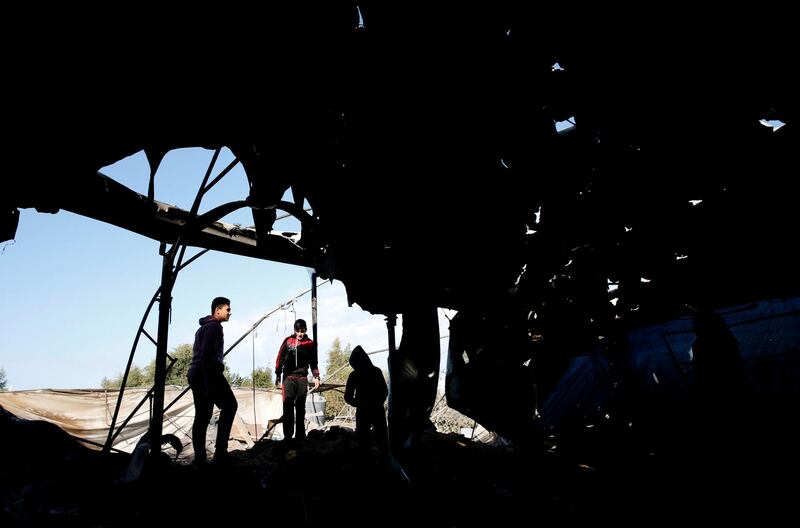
pixel 168 278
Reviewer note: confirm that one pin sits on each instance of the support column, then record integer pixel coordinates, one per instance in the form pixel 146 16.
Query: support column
pixel 391 323
pixel 314 308
pixel 414 375
pixel 164 307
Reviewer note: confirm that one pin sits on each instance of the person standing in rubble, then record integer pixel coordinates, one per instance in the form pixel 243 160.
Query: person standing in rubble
pixel 719 378
pixel 207 380
pixel 366 391
pixel 720 389
pixel 296 354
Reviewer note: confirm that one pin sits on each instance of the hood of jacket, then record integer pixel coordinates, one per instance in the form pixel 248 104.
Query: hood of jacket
pixel 206 319
pixel 359 359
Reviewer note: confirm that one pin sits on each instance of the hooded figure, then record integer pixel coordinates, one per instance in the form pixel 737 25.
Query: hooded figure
pixel 366 391
pixel 719 376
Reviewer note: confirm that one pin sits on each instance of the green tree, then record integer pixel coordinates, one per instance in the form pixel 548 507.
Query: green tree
pixel 144 377
pixel 236 380
pixel 136 378
pixel 337 371
pixel 3 379
pixel 263 377
pixel 183 358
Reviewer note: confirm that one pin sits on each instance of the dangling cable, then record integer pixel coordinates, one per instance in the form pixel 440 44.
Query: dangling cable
pixel 253 379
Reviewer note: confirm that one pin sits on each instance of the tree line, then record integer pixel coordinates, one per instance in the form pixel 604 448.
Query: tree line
pixel 337 371
pixel 182 355
pixel 338 357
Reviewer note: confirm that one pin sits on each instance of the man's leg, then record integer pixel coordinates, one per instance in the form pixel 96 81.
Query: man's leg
pixel 202 415
pixel 300 407
pixel 378 419
pixel 362 428
pixel 289 394
pixel 228 405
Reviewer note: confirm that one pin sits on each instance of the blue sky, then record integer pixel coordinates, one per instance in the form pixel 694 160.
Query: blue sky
pixel 75 288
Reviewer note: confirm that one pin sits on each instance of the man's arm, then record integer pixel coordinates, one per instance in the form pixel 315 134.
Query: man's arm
pixel 350 390
pixel 384 390
pixel 279 363
pixel 212 333
pixel 313 364
pixel 209 361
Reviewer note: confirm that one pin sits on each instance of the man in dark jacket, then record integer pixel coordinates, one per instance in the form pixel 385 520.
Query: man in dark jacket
pixel 296 354
pixel 208 383
pixel 366 391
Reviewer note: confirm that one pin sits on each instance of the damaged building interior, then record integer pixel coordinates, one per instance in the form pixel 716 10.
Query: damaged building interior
pixel 582 195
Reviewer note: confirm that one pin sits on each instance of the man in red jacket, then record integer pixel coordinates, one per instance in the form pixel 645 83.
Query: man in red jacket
pixel 296 354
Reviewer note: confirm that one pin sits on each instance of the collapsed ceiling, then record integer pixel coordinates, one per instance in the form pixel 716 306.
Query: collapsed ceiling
pixel 454 158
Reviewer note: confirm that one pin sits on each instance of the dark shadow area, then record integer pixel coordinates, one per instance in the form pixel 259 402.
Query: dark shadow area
pixel 593 469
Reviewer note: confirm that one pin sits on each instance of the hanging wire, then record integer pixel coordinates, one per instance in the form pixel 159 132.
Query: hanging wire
pixel 253 380
pixel 285 307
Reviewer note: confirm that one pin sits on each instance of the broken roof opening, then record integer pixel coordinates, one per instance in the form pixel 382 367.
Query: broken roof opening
pixel 565 126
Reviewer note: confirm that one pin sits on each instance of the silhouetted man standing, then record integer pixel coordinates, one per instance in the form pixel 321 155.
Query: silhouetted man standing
pixel 208 383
